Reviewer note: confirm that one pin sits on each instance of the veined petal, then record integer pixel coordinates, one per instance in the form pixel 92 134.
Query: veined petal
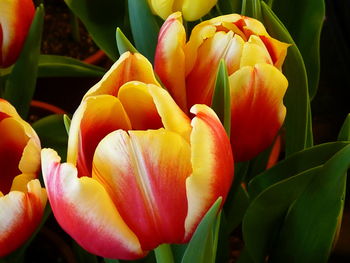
pixel 200 81
pixel 195 9
pixel 169 62
pixel 145 177
pixel 139 106
pixel 20 214
pixel 257 110
pixel 85 211
pixel 94 119
pixel 15 20
pixel 254 26
pixel 128 67
pixel 7 110
pixel 254 52
pixel 212 165
pixel 12 143
pixel 173 118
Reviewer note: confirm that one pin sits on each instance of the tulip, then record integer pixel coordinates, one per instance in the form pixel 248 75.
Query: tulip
pixel 15 19
pixel 254 61
pixel 22 200
pixel 191 9
pixel 139 172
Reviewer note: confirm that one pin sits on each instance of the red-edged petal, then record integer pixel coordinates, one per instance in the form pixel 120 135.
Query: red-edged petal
pixel 212 165
pixel 144 173
pixel 20 214
pixel 94 119
pixel 85 211
pixel 128 67
pixel 257 110
pixel 169 62
pixel 15 20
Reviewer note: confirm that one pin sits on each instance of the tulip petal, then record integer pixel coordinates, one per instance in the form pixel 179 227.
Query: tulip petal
pixel 195 9
pixel 163 8
pixel 13 141
pixel 254 52
pixel 200 81
pixel 94 119
pixel 212 165
pixel 128 67
pixel 85 211
pixel 139 106
pixel 277 50
pixel 169 62
pixel 145 177
pixel 15 20
pixel 173 118
pixel 20 214
pixel 257 110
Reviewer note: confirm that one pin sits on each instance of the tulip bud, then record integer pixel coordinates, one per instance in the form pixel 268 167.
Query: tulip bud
pixel 191 9
pixel 254 61
pixel 15 19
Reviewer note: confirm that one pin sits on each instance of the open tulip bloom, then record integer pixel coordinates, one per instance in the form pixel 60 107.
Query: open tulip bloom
pixel 22 200
pixel 139 171
pixel 254 61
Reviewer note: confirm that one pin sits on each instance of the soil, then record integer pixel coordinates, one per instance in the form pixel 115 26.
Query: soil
pixel 58 33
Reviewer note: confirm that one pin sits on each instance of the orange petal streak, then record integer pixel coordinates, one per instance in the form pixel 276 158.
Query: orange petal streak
pixel 257 110
pixel 145 174
pixel 85 211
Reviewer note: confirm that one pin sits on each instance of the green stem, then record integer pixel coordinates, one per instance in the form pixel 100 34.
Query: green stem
pixel 164 254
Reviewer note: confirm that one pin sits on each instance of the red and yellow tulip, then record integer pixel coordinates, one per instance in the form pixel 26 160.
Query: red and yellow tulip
pixel 139 172
pixel 15 19
pixel 22 200
pixel 191 9
pixel 254 61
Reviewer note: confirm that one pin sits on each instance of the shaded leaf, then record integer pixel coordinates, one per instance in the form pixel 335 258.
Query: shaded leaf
pixel 304 20
pixel 144 27
pixel 52 133
pixel 20 85
pixel 123 43
pixel 101 18
pixel 296 98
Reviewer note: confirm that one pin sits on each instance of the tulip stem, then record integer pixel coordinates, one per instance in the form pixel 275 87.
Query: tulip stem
pixel 164 254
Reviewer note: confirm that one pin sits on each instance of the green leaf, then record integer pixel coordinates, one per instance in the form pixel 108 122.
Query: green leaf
pixel 101 18
pixel 304 20
pixel 344 134
pixel 20 85
pixel 221 103
pixel 251 8
pixel 66 122
pixel 266 212
pixel 61 66
pixel 52 133
pixel 107 260
pixel 236 208
pixel 312 221
pixel 123 43
pixel 201 248
pixel 229 6
pixel 296 98
pixel 294 164
pixel 144 27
